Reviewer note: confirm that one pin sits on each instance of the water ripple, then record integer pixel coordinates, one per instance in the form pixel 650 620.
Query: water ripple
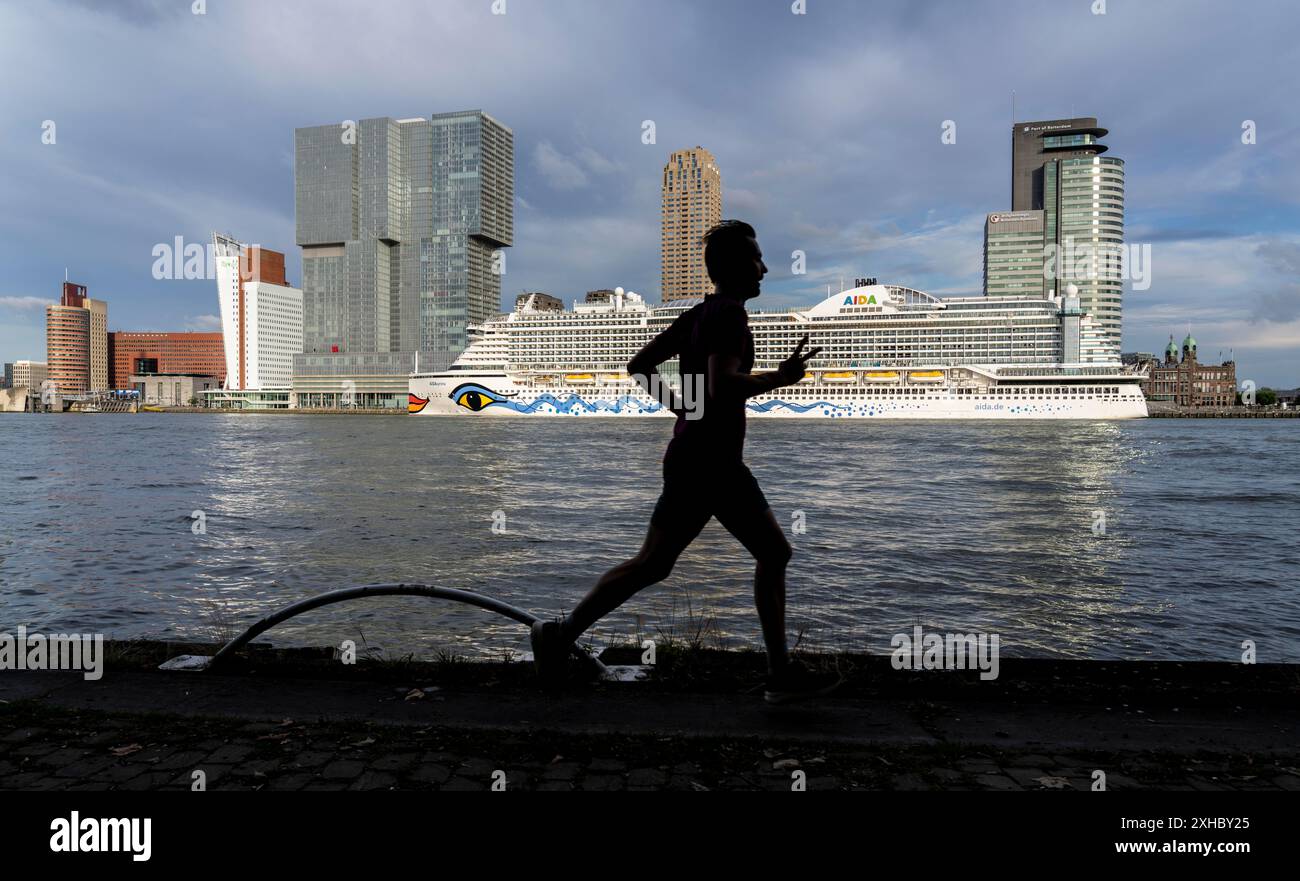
pixel 954 526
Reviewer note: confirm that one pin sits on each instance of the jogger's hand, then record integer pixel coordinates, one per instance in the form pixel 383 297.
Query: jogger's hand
pixel 794 368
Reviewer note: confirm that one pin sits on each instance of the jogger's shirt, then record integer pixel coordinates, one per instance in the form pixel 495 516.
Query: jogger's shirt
pixel 718 326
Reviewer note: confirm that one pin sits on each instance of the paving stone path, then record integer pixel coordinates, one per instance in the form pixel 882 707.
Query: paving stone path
pixel 49 748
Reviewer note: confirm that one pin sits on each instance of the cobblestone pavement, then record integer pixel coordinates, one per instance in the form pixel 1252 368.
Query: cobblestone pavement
pixel 44 748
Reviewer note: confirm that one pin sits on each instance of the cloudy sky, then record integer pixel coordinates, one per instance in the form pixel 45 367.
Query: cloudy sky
pixel 826 126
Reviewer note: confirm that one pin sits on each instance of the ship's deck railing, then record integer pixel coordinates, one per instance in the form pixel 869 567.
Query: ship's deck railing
pixel 1062 371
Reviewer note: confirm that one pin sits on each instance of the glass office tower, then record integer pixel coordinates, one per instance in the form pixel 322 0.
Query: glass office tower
pixel 1057 167
pixel 400 222
pixel 1013 254
pixel 472 221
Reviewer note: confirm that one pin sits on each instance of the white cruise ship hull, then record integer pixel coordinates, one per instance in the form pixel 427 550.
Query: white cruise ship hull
pixel 456 393
pixel 886 352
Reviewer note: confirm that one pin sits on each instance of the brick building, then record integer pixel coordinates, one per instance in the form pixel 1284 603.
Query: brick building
pixel 1189 383
pixel 140 352
pixel 76 341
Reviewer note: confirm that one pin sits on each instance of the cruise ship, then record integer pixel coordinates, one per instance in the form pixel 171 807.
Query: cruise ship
pixel 888 352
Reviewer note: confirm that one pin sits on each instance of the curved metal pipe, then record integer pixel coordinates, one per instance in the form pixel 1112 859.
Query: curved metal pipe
pixel 381 590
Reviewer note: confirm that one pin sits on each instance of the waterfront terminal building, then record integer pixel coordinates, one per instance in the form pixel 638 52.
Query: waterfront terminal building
pixel 1186 382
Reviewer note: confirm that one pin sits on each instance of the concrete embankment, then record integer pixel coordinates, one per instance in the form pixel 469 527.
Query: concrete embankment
pixel 300 720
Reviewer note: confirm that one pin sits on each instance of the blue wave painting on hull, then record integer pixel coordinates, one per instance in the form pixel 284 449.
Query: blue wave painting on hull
pixel 475 397
pixel 768 406
pixel 575 403
pixel 628 403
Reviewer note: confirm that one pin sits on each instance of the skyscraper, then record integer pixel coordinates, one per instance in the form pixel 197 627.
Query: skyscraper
pixel 402 223
pixel 261 316
pixel 1057 168
pixel 1013 254
pixel 76 341
pixel 692 202
pixel 472 206
pixel 98 344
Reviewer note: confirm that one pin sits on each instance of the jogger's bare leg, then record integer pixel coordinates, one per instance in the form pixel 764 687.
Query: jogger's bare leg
pixel 763 537
pixel 651 565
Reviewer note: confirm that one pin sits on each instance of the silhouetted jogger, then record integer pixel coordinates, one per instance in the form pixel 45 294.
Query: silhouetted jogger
pixel 704 473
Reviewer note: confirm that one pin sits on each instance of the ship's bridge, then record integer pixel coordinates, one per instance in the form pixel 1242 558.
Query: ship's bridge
pixel 874 299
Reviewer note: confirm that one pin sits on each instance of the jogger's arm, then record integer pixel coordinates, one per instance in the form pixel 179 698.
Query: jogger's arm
pixel 644 367
pixel 726 378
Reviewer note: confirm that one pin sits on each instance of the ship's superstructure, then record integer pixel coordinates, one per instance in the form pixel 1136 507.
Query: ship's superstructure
pixel 887 352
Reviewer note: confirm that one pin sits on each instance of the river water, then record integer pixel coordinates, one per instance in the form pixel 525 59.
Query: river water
pixel 1161 538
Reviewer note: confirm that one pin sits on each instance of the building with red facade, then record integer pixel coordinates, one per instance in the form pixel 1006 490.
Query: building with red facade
pixel 142 352
pixel 261 316
pixel 1188 382
pixel 76 341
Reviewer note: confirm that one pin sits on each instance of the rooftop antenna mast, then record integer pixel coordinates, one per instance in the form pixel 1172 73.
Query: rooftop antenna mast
pixel 1013 147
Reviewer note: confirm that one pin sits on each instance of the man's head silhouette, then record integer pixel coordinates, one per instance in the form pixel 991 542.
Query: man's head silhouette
pixel 733 259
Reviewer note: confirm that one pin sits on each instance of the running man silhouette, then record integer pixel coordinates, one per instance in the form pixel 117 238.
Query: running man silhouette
pixel 704 474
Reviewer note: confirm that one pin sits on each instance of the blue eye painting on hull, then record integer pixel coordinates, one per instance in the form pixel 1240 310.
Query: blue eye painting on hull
pixel 475 397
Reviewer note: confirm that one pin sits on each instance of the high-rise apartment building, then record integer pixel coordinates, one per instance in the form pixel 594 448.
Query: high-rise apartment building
pixel 402 225
pixel 472 208
pixel 98 344
pixel 1057 167
pixel 692 203
pixel 77 357
pixel 261 316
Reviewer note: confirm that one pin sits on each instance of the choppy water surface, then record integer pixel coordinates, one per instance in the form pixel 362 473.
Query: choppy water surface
pixel 959 527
